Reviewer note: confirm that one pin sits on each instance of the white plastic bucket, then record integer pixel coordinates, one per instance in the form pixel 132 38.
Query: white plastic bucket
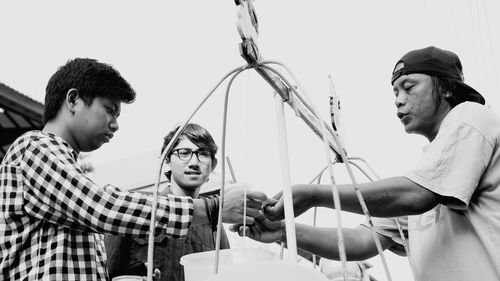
pixel 269 271
pixel 200 266
pixel 127 278
pixel 334 271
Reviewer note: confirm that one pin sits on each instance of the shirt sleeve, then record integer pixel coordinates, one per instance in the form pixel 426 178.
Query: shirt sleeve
pixel 453 163
pixel 56 190
pixel 388 227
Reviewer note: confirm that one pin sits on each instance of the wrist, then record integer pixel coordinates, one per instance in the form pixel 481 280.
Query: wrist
pixel 314 197
pixel 322 196
pixel 200 215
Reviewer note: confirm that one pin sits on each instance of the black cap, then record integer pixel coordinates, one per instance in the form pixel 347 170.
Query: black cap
pixel 434 61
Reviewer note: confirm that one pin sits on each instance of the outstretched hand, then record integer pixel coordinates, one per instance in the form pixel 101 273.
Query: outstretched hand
pixel 234 201
pixel 303 200
pixel 263 230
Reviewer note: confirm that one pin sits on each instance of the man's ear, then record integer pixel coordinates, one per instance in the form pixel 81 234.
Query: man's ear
pixel 168 175
pixel 214 164
pixel 166 164
pixel 72 98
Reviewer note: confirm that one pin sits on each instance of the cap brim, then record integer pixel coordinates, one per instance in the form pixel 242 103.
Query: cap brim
pixel 467 93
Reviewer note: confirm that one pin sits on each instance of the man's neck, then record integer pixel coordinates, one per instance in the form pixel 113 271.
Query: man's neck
pixel 179 191
pixel 58 129
pixel 440 115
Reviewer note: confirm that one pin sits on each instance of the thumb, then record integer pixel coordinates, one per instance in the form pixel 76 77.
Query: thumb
pixel 274 212
pixel 278 195
pixel 257 195
pixel 270 202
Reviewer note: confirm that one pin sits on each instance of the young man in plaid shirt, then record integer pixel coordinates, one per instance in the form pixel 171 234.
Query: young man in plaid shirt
pixel 52 216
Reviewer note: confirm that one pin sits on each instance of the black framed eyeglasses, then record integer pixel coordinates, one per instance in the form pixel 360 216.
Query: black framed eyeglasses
pixel 185 154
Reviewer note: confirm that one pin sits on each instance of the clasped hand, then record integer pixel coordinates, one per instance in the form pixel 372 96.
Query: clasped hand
pixel 268 225
pixel 234 201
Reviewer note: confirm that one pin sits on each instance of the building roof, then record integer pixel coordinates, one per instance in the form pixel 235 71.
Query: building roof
pixel 18 114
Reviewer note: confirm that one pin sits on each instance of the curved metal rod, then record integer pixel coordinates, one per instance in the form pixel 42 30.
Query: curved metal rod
pixel 223 173
pixel 315 214
pixel 366 163
pixel 398 225
pixel 345 160
pixel 335 193
pixel 361 170
pixel 160 166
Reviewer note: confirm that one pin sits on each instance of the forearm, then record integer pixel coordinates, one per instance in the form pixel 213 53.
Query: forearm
pixel 390 197
pixel 199 212
pixel 62 195
pixel 358 242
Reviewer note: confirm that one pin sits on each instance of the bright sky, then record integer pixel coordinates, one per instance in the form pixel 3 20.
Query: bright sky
pixel 174 52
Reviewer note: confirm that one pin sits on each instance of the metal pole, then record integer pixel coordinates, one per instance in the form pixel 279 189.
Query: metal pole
pixel 285 179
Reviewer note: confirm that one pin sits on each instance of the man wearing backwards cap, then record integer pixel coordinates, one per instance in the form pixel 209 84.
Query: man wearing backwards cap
pixel 448 205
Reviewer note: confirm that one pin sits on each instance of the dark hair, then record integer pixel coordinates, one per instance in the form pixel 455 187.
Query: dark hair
pixel 91 78
pixel 198 136
pixel 443 85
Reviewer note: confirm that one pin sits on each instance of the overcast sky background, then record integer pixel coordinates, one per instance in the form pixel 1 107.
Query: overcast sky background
pixel 174 52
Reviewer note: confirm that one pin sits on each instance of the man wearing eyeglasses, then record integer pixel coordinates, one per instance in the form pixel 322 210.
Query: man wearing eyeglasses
pixel 191 162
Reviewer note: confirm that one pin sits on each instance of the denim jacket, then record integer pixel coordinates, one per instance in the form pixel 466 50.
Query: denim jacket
pixel 126 255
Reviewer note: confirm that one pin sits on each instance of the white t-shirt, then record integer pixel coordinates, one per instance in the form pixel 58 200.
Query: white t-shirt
pixel 459 240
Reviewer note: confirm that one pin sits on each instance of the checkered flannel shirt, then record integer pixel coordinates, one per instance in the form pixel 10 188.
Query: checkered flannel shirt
pixel 52 216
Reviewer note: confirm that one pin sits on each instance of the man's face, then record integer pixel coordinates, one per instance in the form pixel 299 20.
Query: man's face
pixel 416 104
pixel 189 174
pixel 96 123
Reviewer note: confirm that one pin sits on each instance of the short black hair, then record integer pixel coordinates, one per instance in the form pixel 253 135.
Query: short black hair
pixel 91 78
